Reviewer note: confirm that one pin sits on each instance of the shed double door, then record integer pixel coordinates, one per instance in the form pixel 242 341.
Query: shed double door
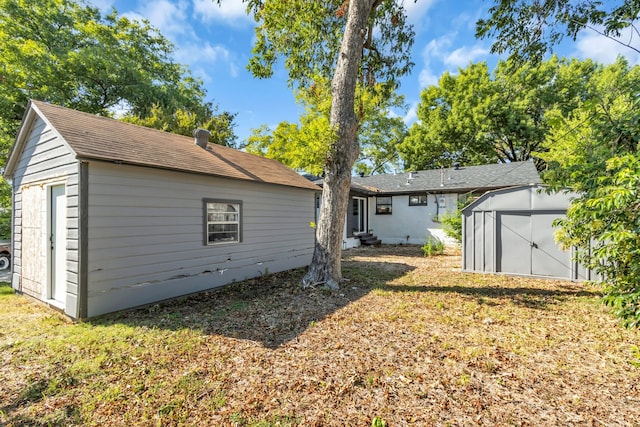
pixel 526 245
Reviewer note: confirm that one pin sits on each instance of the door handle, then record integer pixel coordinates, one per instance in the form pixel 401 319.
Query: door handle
pixel 534 245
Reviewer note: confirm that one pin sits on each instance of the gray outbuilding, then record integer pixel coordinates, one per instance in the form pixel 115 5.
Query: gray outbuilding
pixel 511 231
pixel 108 215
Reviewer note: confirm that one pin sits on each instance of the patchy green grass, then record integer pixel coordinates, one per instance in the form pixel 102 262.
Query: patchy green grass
pixel 407 340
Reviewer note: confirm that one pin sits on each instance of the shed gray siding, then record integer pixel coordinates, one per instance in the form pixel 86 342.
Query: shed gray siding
pixel 108 215
pixel 511 231
pixel 146 234
pixel 45 160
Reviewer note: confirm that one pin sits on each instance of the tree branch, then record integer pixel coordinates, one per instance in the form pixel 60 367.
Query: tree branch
pixel 602 33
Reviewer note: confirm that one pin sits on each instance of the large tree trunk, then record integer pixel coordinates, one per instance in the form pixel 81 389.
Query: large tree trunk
pixel 325 266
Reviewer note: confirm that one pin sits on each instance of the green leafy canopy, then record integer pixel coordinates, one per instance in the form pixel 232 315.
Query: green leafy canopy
pixel 308 35
pixel 304 146
pixel 480 117
pixel 67 53
pixel 594 149
pixel 529 29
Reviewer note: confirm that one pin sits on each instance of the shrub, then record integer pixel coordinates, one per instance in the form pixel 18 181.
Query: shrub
pixel 452 225
pixel 433 246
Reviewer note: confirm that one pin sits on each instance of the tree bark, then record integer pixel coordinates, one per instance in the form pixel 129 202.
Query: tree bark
pixel 325 266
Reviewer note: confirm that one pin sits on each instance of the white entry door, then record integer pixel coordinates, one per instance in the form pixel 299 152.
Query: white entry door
pixel 58 244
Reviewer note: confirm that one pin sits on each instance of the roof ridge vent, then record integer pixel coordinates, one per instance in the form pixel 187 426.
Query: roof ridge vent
pixel 201 137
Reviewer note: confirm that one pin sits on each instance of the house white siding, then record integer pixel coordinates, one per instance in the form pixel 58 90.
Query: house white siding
pixel 411 224
pixel 45 161
pixel 146 234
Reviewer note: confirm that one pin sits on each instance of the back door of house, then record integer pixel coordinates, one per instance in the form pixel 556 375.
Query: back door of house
pixel 359 215
pixel 58 243
pixel 526 245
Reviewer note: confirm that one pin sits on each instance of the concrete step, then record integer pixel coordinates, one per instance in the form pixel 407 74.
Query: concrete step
pixel 369 239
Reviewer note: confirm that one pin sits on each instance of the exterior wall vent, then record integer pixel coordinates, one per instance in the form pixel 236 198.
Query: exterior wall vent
pixel 201 137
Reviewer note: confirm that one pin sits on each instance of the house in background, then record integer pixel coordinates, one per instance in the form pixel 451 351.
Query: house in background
pixel 511 231
pixel 109 215
pixel 406 207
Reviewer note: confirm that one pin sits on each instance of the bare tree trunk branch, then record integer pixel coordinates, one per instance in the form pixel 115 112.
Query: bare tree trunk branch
pixel 326 266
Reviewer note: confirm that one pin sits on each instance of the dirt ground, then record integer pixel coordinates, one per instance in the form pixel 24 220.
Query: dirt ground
pixel 406 340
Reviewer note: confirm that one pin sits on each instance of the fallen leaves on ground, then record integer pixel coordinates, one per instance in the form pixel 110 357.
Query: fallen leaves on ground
pixel 406 340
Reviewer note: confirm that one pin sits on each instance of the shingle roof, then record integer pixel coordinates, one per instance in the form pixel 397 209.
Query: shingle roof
pixel 463 179
pixel 100 138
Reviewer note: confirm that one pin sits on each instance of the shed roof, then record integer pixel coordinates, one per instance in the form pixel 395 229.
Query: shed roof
pixel 461 179
pixel 522 198
pixel 94 137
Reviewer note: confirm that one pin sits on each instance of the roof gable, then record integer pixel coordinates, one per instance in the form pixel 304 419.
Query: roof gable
pixel 462 179
pixel 94 137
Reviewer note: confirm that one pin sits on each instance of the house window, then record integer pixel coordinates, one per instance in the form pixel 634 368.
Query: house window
pixel 222 220
pixel 383 205
pixel 418 200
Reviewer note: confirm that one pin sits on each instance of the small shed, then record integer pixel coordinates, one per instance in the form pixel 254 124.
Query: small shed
pixel 511 231
pixel 109 215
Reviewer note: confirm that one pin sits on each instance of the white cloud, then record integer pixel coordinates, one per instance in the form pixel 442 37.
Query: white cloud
pixel 461 57
pixel 232 12
pixel 104 5
pixel 605 50
pixel 427 78
pixel 433 53
pixel 203 56
pixel 411 115
pixel 173 19
pixel 416 10
pixel 170 17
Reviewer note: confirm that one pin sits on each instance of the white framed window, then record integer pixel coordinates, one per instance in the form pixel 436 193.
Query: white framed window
pixel 222 221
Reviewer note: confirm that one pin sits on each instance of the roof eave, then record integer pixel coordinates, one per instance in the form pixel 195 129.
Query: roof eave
pixel 16 148
pixel 185 170
pixel 30 115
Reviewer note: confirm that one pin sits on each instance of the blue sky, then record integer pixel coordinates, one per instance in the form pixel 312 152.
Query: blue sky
pixel 215 43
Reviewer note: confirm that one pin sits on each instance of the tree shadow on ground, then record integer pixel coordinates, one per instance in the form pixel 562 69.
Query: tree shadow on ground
pixel 271 310
pixel 275 309
pixel 539 298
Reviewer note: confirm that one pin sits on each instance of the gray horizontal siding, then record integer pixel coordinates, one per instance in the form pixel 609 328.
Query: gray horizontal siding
pixel 44 156
pixel 146 234
pixel 45 159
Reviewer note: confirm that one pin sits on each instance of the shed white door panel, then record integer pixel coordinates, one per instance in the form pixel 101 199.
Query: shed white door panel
pixel 58 240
